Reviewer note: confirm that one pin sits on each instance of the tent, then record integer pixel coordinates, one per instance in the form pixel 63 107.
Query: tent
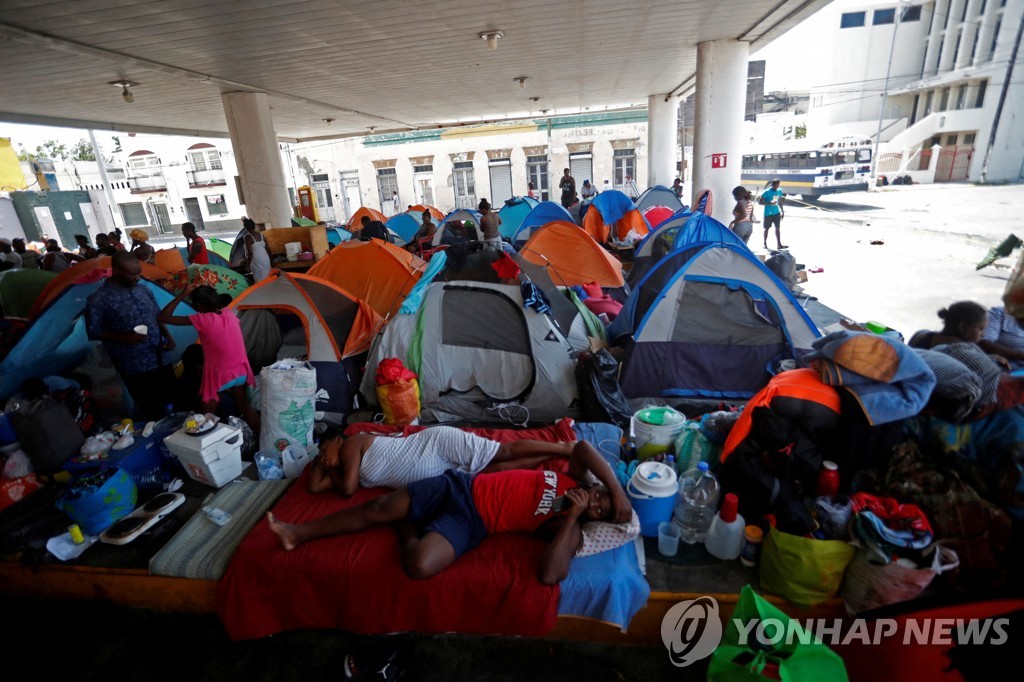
pixel 481 355
pixel 376 272
pixel 543 213
pixel 683 228
pixel 225 281
pixel 90 270
pixel 170 260
pixel 656 215
pixel 659 195
pixel 417 211
pixel 462 214
pixel 613 215
pixel 355 223
pixel 338 235
pixel 219 247
pixel 405 225
pixel 20 288
pixel 513 213
pixel 572 256
pixel 292 315
pixel 707 321
pixel 57 341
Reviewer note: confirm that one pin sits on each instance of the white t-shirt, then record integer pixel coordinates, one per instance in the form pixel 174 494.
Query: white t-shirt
pixel 11 257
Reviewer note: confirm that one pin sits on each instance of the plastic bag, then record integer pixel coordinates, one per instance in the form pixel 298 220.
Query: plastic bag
pixel 17 465
pixel 787 660
pixel 269 465
pixel 806 571
pixel 869 584
pixel 601 397
pixel 294 459
pixel 391 370
pixel 399 401
pixel 97 501
pixel 287 404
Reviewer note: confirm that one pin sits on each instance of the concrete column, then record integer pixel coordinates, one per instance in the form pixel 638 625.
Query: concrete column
pixel 258 158
pixel 662 139
pixel 718 129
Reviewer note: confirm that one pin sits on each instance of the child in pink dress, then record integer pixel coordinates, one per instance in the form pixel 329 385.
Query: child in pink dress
pixel 225 363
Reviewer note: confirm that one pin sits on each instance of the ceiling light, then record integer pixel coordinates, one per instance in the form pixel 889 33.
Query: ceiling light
pixel 522 81
pixel 535 99
pixel 125 92
pixel 328 121
pixel 492 38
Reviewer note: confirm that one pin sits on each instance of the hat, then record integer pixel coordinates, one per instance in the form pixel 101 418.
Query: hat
pixel 139 235
pixel 5 240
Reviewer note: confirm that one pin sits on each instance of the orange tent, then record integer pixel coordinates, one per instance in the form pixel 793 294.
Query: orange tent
pixel 596 227
pixel 377 272
pixel 356 223
pixel 572 256
pixel 87 270
pixel 169 260
pixel 418 210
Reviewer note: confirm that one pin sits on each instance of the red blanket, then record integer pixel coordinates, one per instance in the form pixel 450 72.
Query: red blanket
pixel 356 583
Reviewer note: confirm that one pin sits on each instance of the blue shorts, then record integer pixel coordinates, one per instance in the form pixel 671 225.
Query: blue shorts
pixel 240 381
pixel 444 504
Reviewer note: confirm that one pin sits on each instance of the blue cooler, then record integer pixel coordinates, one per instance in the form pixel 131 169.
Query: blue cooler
pixel 652 492
pixel 7 434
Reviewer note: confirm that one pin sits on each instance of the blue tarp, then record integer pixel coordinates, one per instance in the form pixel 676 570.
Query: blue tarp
pixel 543 213
pixel 513 213
pixel 404 225
pixel 57 342
pixel 612 205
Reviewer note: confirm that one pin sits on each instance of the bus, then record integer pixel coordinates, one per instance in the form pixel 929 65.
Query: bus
pixel 843 165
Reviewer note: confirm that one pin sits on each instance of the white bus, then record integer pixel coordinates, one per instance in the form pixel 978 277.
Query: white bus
pixel 843 165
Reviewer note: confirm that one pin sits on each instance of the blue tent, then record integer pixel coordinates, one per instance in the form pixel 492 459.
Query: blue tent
pixel 462 214
pixel 57 342
pixel 338 235
pixel 708 320
pixel 404 225
pixel 681 229
pixel 659 195
pixel 543 213
pixel 513 213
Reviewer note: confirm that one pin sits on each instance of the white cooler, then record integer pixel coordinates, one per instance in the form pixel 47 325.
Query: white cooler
pixel 213 458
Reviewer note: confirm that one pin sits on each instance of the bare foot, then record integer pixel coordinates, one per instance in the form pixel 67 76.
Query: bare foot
pixel 285 532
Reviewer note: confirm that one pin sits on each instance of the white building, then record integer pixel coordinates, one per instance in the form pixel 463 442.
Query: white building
pixel 940 78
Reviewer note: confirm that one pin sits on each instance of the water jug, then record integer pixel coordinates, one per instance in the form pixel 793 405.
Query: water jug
pixel 696 503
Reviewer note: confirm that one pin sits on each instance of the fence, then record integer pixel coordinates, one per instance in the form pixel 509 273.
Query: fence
pixel 954 163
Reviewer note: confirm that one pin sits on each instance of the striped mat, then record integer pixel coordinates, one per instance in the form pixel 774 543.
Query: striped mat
pixel 202 549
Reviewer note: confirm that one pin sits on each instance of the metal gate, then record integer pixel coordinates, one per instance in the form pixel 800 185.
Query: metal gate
pixel 954 163
pixel 193 213
pixel 501 182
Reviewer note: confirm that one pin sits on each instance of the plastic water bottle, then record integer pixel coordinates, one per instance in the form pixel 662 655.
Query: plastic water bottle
pixel 698 500
pixel 725 537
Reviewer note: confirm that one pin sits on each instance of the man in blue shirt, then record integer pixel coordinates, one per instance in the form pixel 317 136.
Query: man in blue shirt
pixel 115 315
pixel 772 200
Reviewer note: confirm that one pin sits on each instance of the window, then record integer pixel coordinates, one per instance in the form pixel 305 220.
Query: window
pixel 979 101
pixel 318 177
pixel 204 159
pixel 423 169
pixel 944 99
pixel 884 16
pixel 928 102
pixel 974 44
pixel 624 165
pixel 912 13
pixel 938 54
pixel 133 214
pixel 863 155
pixel 956 48
pixel 465 184
pixel 945 14
pixel 968 138
pixel 963 13
pixel 537 173
pixel 851 20
pixel 913 110
pixel 387 184
pixel 982 6
pixel 215 205
pixel 951 140
pixel 995 40
pixel 961 97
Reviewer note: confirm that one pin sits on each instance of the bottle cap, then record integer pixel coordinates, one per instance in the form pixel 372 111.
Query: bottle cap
pixel 729 508
pixel 753 533
pixel 702 466
pixel 829 466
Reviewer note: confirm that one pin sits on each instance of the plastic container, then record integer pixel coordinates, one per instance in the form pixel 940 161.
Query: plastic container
pixel 725 536
pixel 750 552
pixel 292 250
pixel 828 479
pixel 652 493
pixel 668 538
pixel 655 430
pixel 696 503
pixel 214 458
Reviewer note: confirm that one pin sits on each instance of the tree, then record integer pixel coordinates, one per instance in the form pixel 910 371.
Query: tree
pixel 117 142
pixel 82 151
pixel 51 149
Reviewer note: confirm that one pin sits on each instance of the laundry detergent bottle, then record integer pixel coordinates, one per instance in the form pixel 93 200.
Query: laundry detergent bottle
pixel 725 536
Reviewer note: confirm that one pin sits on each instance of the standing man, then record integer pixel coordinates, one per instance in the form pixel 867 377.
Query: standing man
pixel 677 188
pixel 29 258
pixel 489 223
pixel 123 316
pixel 772 200
pixel 195 245
pixel 396 205
pixel 568 187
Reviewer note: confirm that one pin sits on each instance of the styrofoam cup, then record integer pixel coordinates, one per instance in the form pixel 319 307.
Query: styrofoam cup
pixel 141 329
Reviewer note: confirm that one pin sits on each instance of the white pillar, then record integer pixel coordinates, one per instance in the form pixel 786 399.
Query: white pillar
pixel 258 158
pixel 718 130
pixel 662 139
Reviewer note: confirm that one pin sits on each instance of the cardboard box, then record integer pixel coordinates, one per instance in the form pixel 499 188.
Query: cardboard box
pixel 801 276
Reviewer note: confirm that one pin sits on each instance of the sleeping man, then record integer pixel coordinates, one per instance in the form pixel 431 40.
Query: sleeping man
pixel 391 462
pixel 441 518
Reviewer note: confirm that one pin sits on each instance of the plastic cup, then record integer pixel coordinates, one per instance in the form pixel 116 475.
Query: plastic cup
pixel 668 538
pixel 141 329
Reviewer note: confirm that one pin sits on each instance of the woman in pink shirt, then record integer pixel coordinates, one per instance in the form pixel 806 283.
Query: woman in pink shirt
pixel 225 362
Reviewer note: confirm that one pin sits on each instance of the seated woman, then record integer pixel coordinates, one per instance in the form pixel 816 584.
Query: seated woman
pixel 1004 336
pixel 962 321
pixel 371 461
pixel 426 231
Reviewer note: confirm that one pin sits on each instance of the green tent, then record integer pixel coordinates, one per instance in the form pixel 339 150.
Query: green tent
pixel 220 247
pixel 19 289
pixel 225 281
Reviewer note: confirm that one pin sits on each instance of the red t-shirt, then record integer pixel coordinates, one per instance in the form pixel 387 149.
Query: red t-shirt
pixel 201 257
pixel 518 500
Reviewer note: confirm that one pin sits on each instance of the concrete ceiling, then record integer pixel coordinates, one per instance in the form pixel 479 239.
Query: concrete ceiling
pixel 381 64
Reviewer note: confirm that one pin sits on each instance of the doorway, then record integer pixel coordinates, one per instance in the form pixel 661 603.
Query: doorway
pixel 465 186
pixel 162 218
pixel 350 194
pixel 193 213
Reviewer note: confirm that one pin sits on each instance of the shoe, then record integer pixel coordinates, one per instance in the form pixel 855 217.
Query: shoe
pixel 782 246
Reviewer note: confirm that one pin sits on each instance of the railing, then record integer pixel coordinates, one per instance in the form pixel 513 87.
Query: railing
pixel 154 182
pixel 205 178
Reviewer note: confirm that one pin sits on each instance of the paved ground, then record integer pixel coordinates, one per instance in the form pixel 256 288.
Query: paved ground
pixel 933 236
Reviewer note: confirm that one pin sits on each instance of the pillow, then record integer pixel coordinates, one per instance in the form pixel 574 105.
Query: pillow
pixel 601 536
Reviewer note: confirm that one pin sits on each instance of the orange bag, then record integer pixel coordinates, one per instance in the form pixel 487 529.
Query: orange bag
pixel 398 392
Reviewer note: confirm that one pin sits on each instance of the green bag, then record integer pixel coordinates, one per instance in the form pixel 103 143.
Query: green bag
pixel 794 661
pixel 806 571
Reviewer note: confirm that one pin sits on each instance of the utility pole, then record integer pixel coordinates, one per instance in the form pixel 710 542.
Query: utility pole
pixel 885 94
pixel 115 215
